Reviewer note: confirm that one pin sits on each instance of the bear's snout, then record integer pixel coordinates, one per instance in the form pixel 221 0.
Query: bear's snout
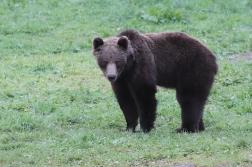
pixel 111 72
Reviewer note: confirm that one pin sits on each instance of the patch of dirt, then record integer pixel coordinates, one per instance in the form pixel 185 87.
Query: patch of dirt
pixel 244 57
pixel 162 163
pixel 222 166
pixel 184 165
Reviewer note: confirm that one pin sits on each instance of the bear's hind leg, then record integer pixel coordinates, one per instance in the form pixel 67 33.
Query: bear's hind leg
pixel 126 103
pixel 201 124
pixel 192 108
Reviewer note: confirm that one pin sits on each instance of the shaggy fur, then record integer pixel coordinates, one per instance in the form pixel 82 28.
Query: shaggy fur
pixel 135 63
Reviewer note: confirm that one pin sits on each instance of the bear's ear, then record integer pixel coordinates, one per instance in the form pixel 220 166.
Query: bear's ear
pixel 123 42
pixel 97 41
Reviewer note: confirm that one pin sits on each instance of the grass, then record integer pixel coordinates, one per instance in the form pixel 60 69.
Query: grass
pixel 56 108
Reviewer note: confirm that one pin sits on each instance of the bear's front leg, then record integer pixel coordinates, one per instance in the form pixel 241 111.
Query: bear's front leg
pixel 126 103
pixel 146 103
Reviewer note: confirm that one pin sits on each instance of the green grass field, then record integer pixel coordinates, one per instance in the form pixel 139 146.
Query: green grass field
pixel 57 109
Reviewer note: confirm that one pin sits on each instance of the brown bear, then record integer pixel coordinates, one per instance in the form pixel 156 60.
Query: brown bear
pixel 136 63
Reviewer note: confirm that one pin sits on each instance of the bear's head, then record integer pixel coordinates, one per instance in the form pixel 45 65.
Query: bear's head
pixel 112 55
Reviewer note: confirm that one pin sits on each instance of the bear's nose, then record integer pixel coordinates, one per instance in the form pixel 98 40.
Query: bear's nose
pixel 111 77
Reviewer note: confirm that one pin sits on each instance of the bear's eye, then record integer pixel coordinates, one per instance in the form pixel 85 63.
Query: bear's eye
pixel 103 64
pixel 117 63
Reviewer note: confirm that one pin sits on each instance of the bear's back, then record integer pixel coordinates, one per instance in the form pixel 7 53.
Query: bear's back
pixel 178 56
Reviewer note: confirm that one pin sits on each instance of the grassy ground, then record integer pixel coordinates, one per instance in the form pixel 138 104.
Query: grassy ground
pixel 56 108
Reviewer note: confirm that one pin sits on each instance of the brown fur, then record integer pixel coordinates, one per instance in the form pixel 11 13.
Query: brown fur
pixel 135 63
